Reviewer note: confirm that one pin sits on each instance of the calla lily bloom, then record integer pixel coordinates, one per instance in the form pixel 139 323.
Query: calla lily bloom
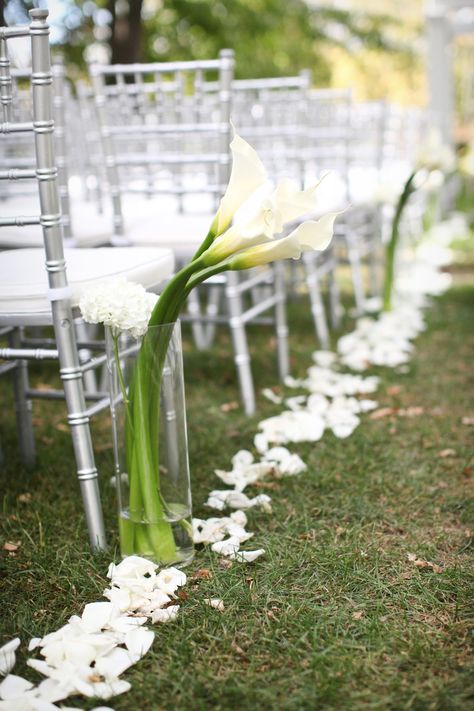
pixel 435 154
pixel 313 235
pixel 247 174
pixel 285 205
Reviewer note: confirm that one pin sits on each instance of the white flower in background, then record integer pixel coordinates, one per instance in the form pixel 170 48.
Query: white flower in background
pixel 167 615
pixel 271 396
pixel 120 304
pixel 227 547
pixel 387 192
pixel 241 477
pixel 435 154
pixel 7 656
pixel 14 687
pixel 219 499
pixel 213 530
pixel 301 426
pixel 170 579
pixel 247 556
pixel 285 463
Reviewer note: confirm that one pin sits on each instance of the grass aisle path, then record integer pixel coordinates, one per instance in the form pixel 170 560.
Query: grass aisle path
pixel 335 616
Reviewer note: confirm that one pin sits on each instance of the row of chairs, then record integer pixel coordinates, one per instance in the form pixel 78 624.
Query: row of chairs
pixel 160 131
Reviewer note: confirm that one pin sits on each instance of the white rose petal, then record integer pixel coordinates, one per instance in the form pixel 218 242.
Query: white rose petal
pixel 7 656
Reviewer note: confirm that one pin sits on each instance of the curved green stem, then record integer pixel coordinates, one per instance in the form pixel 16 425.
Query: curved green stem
pixel 392 244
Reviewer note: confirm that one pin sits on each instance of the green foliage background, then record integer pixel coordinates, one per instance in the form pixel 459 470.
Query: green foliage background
pixel 369 46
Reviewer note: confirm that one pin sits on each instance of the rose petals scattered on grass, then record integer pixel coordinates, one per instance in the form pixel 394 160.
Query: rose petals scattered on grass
pixel 216 603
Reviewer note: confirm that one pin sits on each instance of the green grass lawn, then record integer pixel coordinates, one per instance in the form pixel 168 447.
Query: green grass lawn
pixel 335 616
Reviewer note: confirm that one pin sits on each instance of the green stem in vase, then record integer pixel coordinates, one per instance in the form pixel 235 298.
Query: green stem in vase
pixel 392 244
pixel 142 421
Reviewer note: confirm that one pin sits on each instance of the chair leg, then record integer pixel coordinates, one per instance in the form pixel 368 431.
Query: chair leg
pixel 88 476
pixel 281 325
pixel 239 338
pixel 334 298
pixel 197 327
pixel 23 406
pixel 212 310
pixel 356 274
pixel 84 331
pixel 374 272
pixel 78 420
pixel 317 305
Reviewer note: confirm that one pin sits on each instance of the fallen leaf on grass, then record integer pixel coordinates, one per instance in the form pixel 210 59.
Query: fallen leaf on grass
pixel 420 563
pixel 266 485
pixel 24 498
pixel 358 615
pixel 62 427
pixel 382 412
pixel 225 563
pixel 238 650
pixel 271 614
pixel 11 546
pixel 468 420
pixel 411 411
pixel 446 453
pixel 229 406
pixel 203 574
pixel 308 535
pixel 394 390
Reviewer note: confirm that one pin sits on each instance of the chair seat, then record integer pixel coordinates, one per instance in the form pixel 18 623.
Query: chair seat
pixel 23 279
pixel 155 222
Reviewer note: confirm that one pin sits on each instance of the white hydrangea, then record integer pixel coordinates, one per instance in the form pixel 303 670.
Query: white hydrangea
pixel 120 304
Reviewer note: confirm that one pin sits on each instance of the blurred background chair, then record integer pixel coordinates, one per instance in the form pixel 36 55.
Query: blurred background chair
pixel 165 130
pixel 274 115
pixel 36 290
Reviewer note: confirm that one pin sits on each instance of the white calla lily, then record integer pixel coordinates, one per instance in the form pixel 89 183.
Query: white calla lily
pixel 286 204
pixel 435 154
pixel 247 174
pixel 313 235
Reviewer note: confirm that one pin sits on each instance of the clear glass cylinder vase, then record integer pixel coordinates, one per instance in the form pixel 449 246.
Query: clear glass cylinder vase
pixel 152 477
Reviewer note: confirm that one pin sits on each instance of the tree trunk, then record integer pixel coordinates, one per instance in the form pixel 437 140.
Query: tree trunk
pixel 126 33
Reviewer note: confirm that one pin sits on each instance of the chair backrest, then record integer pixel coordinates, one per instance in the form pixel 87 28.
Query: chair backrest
pixel 272 114
pixel 165 129
pixel 328 137
pixel 40 124
pixel 21 152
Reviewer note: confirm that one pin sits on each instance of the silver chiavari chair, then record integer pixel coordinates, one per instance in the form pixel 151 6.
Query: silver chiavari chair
pixel 83 226
pixel 337 142
pixel 165 131
pixel 273 114
pixel 36 290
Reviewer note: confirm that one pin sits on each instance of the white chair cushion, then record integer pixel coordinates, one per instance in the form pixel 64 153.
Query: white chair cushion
pixel 24 285
pixel 181 233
